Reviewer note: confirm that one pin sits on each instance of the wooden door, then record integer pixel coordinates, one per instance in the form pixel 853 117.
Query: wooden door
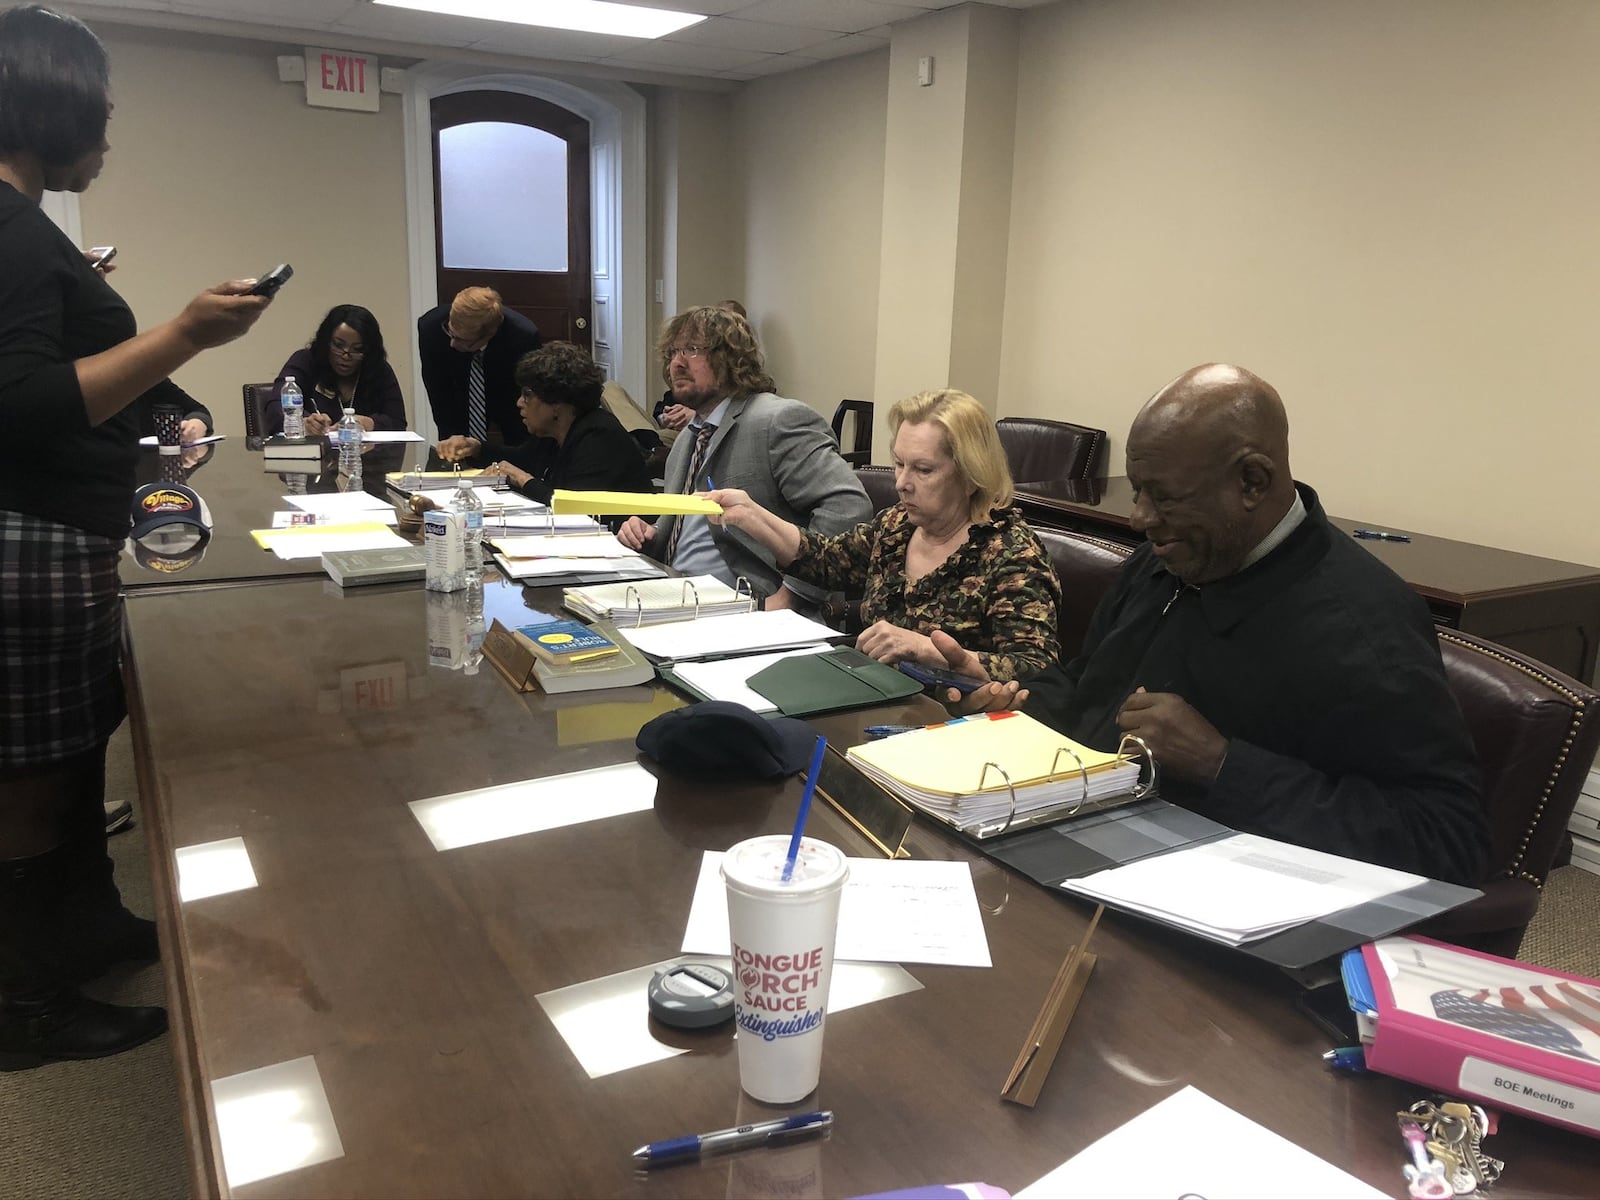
pixel 492 211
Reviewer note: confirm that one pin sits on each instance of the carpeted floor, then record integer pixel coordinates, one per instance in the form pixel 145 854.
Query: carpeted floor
pixel 112 1128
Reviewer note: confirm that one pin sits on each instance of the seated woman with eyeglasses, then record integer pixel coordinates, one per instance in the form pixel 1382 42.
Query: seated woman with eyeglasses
pixel 345 364
pixel 954 554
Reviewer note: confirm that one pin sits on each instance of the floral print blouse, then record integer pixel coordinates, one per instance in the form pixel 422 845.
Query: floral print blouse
pixel 997 594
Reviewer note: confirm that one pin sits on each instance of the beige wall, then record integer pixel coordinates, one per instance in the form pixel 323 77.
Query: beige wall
pixel 1388 210
pixel 219 171
pixel 808 149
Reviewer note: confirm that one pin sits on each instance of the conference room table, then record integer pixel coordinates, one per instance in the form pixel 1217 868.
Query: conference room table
pixel 363 1014
pixel 241 491
pixel 1541 606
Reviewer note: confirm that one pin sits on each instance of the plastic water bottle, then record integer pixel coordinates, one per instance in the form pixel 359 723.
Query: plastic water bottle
pixel 471 510
pixel 349 434
pixel 294 409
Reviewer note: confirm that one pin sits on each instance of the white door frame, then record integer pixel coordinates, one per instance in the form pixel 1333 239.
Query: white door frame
pixel 616 116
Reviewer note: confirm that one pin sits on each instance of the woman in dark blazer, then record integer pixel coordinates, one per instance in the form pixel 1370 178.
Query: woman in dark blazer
pixel 577 444
pixel 344 364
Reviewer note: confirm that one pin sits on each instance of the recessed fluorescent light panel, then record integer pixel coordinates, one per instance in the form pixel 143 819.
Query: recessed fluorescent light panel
pixel 586 16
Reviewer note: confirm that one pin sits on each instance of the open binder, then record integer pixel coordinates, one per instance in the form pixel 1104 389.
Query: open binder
pixel 803 684
pixel 994 773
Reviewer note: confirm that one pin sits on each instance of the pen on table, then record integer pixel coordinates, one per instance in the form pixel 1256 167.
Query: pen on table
pixel 674 1149
pixel 875 732
pixel 1381 535
pixel 1346 1058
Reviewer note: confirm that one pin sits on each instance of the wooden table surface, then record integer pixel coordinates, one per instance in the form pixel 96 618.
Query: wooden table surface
pixel 410 975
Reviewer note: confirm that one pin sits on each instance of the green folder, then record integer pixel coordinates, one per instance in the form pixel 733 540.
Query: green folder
pixel 808 685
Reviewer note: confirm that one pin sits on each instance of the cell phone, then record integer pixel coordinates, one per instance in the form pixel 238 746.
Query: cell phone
pixel 940 678
pixel 99 256
pixel 274 279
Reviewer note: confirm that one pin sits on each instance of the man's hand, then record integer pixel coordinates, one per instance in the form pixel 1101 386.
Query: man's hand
pixel 635 532
pixel 366 423
pixel 459 448
pixel 1183 742
pixel 676 416
pixel 192 430
pixel 318 424
pixel 991 697
pixel 891 644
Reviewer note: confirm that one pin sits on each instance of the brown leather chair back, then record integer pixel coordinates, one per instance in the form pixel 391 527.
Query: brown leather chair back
pixel 1536 731
pixel 1040 450
pixel 1087 566
pixel 879 485
pixel 859 452
pixel 256 398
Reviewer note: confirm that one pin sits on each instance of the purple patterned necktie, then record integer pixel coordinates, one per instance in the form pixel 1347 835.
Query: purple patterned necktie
pixel 702 439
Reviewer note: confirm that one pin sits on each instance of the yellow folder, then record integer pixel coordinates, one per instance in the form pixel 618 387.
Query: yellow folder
pixel 622 504
pixel 266 537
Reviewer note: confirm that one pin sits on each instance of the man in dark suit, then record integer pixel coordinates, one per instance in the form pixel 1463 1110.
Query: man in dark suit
pixel 469 351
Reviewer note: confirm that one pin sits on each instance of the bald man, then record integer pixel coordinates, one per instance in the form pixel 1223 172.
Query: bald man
pixel 1288 682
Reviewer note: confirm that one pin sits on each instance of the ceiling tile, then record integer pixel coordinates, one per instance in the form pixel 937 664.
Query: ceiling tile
pixel 680 54
pixel 501 38
pixel 776 65
pixel 732 33
pixel 837 16
pixel 405 25
pixel 320 13
pixel 840 47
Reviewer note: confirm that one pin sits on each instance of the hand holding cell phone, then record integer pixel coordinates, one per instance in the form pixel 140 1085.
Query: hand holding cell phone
pixel 268 284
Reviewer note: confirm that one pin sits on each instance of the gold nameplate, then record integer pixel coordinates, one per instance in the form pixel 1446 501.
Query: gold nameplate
pixel 878 816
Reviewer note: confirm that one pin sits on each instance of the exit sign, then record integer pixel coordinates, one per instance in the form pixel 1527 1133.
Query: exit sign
pixel 341 79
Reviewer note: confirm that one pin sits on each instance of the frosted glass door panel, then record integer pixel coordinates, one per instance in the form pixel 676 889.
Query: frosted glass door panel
pixel 502 198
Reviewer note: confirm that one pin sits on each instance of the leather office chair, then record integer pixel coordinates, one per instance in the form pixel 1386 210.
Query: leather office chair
pixel 1087 566
pixel 1536 731
pixel 1045 451
pixel 860 452
pixel 256 397
pixel 879 485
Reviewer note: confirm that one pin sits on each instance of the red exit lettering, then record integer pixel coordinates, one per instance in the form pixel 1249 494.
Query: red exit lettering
pixel 344 73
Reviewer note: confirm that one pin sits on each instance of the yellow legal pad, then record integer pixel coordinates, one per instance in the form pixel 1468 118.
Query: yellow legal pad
pixel 947 760
pixel 622 504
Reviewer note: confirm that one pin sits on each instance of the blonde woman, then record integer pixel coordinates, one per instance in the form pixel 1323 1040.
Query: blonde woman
pixel 953 554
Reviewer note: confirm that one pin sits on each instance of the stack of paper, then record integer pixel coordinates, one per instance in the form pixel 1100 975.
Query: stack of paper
pixel 313 541
pixel 736 633
pixel 353 506
pixel 729 678
pixel 1242 887
pixel 656 602
pixel 942 770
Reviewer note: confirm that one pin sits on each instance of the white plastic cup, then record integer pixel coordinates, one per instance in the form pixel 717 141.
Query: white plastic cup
pixel 782 940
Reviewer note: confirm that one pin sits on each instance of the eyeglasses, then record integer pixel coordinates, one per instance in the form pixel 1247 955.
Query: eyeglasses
pixel 346 351
pixel 672 352
pixel 461 341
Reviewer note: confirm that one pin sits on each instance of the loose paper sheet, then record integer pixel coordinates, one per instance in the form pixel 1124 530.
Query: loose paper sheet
pixel 618 504
pixel 1191 1145
pixel 892 911
pixel 338 502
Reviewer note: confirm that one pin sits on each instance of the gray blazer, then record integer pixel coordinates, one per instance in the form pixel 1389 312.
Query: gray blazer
pixel 784 455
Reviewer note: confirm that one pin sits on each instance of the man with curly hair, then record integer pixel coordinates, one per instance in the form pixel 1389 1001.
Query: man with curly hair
pixel 744 436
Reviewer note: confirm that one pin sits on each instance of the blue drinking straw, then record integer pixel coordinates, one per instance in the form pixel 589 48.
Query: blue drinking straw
pixel 805 807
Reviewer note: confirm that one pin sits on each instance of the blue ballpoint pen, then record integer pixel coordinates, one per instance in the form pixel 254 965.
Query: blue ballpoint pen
pixel 1346 1058
pixel 875 732
pixel 694 1145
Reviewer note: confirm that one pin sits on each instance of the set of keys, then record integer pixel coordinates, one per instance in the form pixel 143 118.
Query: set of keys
pixel 1446 1145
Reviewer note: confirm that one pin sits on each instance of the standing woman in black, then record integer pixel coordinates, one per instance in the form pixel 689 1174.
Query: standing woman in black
pixel 71 366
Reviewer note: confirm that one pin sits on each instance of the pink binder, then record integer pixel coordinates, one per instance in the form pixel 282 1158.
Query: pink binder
pixel 1514 1036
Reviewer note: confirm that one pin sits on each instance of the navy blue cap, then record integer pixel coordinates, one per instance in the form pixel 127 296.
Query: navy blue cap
pixel 721 738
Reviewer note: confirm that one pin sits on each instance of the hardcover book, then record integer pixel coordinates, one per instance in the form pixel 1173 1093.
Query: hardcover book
pixel 353 568
pixel 1512 1035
